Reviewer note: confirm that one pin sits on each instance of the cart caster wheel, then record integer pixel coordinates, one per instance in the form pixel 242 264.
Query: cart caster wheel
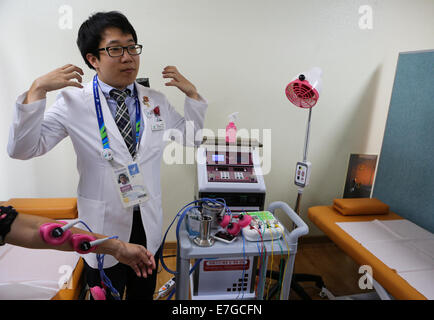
pixel 323 294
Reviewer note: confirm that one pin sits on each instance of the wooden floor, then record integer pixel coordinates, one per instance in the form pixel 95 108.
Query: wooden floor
pixel 320 257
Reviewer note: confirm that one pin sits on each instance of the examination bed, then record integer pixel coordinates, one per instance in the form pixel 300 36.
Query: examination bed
pixel 332 223
pixel 41 274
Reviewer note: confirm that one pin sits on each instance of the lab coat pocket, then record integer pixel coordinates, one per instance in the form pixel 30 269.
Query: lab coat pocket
pixel 156 139
pixel 92 213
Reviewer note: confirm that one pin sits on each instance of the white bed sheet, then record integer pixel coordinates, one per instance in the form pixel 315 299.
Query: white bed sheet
pixel 402 246
pixel 32 273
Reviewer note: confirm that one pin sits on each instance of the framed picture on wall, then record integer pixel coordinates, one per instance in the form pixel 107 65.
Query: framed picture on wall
pixel 360 176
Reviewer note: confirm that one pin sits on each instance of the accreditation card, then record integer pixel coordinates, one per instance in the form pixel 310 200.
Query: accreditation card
pixel 130 185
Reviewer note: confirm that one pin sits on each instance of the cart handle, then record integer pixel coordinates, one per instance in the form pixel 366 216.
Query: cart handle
pixel 302 228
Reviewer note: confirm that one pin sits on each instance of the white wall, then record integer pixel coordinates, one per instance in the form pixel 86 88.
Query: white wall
pixel 240 54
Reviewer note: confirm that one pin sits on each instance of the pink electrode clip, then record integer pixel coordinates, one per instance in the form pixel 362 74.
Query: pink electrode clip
pixel 224 221
pixel 83 243
pixel 233 228
pixel 244 220
pixel 55 233
pixel 98 293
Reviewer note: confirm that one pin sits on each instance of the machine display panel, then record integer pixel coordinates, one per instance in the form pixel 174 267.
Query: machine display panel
pixel 218 157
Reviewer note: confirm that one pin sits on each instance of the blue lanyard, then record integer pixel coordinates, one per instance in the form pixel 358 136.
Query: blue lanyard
pixel 100 117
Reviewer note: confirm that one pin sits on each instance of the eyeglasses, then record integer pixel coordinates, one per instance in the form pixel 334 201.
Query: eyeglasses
pixel 118 51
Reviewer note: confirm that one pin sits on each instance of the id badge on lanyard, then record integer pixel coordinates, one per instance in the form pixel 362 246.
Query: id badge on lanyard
pixel 128 179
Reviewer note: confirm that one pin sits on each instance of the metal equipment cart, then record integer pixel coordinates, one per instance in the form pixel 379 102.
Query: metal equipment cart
pixel 188 250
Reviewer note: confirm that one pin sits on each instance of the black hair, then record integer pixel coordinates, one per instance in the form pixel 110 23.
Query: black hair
pixel 90 32
pixel 123 175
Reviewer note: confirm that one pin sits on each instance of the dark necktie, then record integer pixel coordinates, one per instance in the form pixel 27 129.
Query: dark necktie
pixel 122 118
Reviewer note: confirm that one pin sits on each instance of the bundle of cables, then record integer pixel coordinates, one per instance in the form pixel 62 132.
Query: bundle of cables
pixel 196 204
pixel 262 260
pixel 105 281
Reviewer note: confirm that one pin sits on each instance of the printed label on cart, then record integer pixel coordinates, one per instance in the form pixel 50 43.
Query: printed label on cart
pixel 226 265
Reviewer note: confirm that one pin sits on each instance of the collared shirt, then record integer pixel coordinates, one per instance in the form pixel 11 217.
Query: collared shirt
pixel 130 102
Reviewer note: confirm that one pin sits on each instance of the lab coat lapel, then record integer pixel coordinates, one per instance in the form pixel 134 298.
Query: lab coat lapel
pixel 141 92
pixel 116 141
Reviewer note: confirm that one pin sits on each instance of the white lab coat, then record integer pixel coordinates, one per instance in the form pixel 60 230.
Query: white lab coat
pixel 35 131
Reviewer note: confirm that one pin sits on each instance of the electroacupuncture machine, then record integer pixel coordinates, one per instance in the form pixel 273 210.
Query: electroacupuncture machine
pixel 231 172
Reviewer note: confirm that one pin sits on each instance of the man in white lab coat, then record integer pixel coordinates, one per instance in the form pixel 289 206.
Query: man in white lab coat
pixel 116 127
